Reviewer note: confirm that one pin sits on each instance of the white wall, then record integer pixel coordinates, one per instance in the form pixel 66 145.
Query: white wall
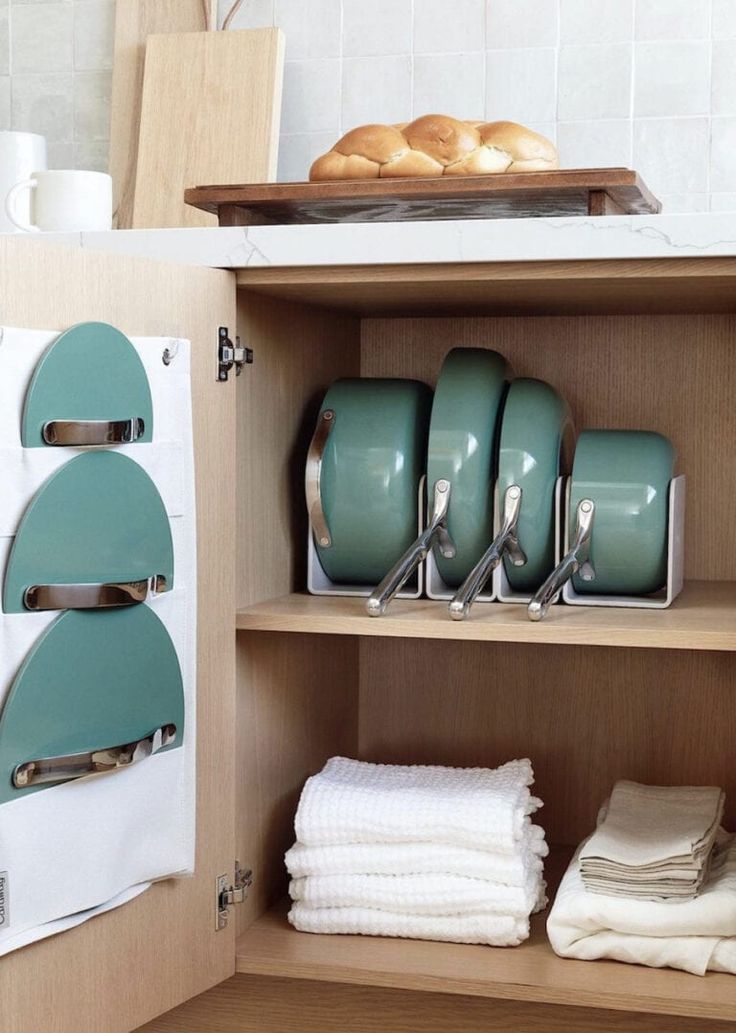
pixel 645 83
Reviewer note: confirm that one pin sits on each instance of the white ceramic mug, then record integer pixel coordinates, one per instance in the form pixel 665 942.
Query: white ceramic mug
pixel 62 200
pixel 21 154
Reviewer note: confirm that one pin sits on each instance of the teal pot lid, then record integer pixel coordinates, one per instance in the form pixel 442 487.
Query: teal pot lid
pixel 98 519
pixel 537 443
pixel 627 475
pixel 94 680
pixel 463 432
pixel 91 372
pixel 372 465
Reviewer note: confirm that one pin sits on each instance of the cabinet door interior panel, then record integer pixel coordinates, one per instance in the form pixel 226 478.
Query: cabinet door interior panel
pixel 674 374
pixel 297 706
pixel 124 967
pixel 586 716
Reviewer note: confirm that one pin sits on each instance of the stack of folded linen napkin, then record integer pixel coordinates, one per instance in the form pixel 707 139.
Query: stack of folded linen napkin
pixel 675 907
pixel 421 852
pixel 652 842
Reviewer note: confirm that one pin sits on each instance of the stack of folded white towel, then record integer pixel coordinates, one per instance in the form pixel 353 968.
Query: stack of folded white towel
pixel 422 852
pixel 654 885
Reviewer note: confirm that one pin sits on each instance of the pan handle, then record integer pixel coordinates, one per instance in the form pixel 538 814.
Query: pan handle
pixel 49 770
pixel 417 551
pixel 93 432
pixel 313 478
pixel 507 540
pixel 576 559
pixel 93 596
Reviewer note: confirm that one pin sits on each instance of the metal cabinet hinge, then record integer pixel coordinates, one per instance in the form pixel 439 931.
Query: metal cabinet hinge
pixel 228 894
pixel 231 355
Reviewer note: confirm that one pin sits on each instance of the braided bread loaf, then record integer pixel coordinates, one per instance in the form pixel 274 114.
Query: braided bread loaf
pixel 435 145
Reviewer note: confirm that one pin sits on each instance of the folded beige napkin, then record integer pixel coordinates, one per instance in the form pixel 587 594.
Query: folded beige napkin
pixel 652 842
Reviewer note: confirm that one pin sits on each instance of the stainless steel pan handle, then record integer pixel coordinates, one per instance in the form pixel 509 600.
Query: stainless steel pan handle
pixel 93 596
pixel 507 540
pixel 577 558
pixel 93 432
pixel 49 770
pixel 417 551
pixel 313 477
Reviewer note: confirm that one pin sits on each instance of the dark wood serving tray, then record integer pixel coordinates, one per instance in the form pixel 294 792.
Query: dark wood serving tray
pixel 502 196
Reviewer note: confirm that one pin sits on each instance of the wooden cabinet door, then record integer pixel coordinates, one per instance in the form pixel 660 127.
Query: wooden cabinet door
pixel 121 969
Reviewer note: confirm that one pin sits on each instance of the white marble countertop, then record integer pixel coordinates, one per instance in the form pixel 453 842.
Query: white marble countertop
pixel 501 240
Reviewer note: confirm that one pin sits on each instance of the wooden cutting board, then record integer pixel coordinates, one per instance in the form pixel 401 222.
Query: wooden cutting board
pixel 210 113
pixel 134 21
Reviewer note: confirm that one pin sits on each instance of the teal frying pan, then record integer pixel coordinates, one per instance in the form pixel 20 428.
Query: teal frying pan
pixel 618 517
pixel 460 470
pixel 96 534
pixel 90 388
pixel 98 691
pixel 363 471
pixel 537 440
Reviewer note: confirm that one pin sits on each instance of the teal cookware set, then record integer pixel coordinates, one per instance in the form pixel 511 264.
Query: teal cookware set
pixel 375 439
pixel 102 687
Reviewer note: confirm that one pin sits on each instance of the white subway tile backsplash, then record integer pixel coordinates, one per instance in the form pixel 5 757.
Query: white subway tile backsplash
pixel 723 19
pixel 521 84
pixel 461 32
pixel 594 144
pixel 311 98
pixel 672 154
pixel 594 81
pixel 94 28
pixel 520 23
pixel 5 102
pixel 253 14
pixel 297 152
pixel 376 89
pixel 4 40
pixel 44 104
pixel 61 155
pixel 92 155
pixel 674 204
pixel 672 78
pixel 723 98
pixel 42 38
pixel 723 154
pixel 596 21
pixel 723 202
pixel 672 19
pixel 450 84
pixel 377 28
pixel 312 27
pixel 92 106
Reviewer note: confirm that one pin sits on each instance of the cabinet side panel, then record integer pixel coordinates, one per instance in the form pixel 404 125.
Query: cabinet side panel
pixel 122 968
pixel 298 350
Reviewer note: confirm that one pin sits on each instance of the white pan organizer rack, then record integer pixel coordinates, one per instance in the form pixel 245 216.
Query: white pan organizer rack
pixel 591 694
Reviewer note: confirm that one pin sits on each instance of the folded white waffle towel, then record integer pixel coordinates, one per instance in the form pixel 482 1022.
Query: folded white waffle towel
pixel 493 930
pixel 351 801
pixel 693 935
pixel 417 894
pixel 421 859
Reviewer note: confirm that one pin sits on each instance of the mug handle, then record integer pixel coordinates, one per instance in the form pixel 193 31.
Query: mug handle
pixel 11 200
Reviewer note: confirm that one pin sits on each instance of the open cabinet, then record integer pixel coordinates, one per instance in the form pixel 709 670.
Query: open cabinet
pixel 287 680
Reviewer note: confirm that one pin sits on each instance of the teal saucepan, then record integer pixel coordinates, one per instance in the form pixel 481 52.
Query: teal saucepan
pixel 99 690
pixel 536 444
pixel 460 470
pixel 618 517
pixel 90 388
pixel 364 468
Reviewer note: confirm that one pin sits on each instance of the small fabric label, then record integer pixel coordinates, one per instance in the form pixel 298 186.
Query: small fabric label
pixel 4 900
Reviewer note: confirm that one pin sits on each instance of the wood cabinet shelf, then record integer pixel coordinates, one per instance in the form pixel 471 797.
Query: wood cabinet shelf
pixel 703 617
pixel 530 973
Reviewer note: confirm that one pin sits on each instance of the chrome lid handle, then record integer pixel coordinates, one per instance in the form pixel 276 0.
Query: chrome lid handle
pixel 417 551
pixel 578 558
pixel 49 770
pixel 507 540
pixel 93 432
pixel 93 596
pixel 313 478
